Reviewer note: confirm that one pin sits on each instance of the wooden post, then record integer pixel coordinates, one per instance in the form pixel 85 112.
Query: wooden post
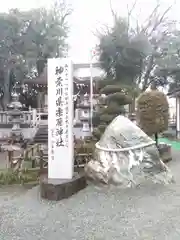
pixel 178 117
pixel 10 159
pixel 41 161
pixel 32 151
pixel 32 157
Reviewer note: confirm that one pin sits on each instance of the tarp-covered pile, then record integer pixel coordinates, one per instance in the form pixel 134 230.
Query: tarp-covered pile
pixel 125 152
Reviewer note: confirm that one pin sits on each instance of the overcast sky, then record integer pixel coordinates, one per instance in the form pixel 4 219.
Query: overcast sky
pixel 88 15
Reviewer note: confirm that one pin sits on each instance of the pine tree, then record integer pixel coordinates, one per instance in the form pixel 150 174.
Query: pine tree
pixel 111 104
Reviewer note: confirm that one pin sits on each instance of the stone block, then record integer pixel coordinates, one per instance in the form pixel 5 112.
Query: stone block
pixel 58 189
pixel 165 152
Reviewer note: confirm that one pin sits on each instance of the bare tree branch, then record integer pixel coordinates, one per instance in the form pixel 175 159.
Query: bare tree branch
pixel 132 8
pixel 129 12
pixel 137 27
pixel 103 30
pixel 65 12
pixel 150 17
pixel 161 19
pixel 114 15
pixel 155 20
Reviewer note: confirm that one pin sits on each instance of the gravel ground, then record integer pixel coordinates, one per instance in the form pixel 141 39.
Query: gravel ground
pixel 148 212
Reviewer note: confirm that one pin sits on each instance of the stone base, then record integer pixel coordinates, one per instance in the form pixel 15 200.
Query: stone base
pixel 165 152
pixel 56 189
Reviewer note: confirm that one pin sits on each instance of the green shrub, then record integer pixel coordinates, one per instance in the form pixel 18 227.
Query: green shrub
pixel 97 133
pixel 119 98
pixel 113 105
pixel 84 147
pixel 105 118
pixel 153 112
pixel 96 120
pixel 109 89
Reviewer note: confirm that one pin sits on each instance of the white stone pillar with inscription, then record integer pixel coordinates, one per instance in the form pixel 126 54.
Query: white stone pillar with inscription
pixel 60 119
pixel 178 116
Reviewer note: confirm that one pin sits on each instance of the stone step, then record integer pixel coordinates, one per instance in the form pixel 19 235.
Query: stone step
pixel 42 132
pixel 43 126
pixel 40 138
pixel 42 135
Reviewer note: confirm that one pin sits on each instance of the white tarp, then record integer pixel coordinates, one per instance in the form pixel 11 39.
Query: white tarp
pixel 122 149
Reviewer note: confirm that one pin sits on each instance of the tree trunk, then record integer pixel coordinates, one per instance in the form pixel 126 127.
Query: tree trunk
pixel 147 74
pixel 156 139
pixel 2 105
pixel 41 100
pixel 132 106
pixel 7 90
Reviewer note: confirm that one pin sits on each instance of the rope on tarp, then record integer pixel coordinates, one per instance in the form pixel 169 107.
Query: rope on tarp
pixel 139 146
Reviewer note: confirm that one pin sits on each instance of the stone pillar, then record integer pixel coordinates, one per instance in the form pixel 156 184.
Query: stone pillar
pixel 46 102
pixel 178 117
pixel 40 102
pixel 76 115
pixel 86 100
pixel 86 127
pixel 34 116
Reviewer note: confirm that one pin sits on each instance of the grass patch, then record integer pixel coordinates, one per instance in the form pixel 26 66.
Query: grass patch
pixel 8 177
pixel 174 144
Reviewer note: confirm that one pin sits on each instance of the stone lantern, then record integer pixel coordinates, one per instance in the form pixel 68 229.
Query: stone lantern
pixel 16 138
pixel 15 113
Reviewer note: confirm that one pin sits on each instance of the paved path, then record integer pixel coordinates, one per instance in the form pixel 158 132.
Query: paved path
pixel 149 212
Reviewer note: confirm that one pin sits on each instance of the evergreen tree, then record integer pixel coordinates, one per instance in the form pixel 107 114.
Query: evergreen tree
pixel 153 112
pixel 111 104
